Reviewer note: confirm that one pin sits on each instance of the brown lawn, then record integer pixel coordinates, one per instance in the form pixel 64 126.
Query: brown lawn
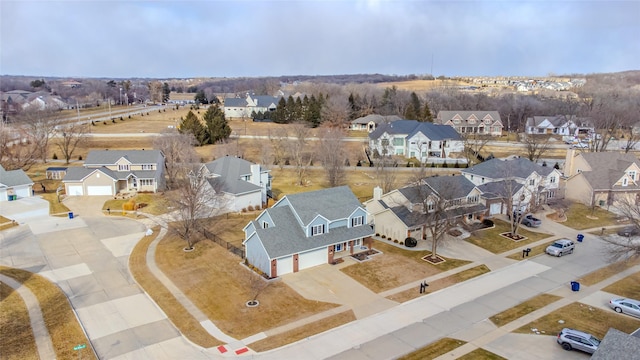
pixel 396 267
pixel 16 336
pixel 491 240
pixel 628 287
pixel 434 349
pixel 523 309
pixel 216 282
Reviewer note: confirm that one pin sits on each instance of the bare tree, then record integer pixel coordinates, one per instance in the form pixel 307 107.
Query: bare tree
pixel 536 145
pixel 299 151
pixel 473 145
pixel 196 197
pixel 39 126
pixel 278 141
pixel 71 136
pixel 16 152
pixel 335 112
pixel 625 247
pixel 257 284
pixel 331 153
pixel 178 150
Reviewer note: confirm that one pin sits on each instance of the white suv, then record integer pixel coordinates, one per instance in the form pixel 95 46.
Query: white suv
pixel 560 247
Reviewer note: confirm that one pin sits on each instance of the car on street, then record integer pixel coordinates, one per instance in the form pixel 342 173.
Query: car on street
pixel 560 247
pixel 571 339
pixel 629 231
pixel 580 145
pixel 531 221
pixel 626 306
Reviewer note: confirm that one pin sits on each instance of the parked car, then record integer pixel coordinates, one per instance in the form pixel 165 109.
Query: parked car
pixel 571 339
pixel 629 231
pixel 560 247
pixel 531 221
pixel 626 306
pixel 580 145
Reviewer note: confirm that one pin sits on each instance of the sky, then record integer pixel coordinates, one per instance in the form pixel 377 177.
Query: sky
pixel 244 38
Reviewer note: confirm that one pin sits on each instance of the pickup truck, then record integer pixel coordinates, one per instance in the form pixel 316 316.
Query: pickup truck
pixel 530 221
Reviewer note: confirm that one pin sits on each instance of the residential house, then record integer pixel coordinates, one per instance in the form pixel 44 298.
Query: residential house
pixel 243 183
pixel 617 345
pixel 370 122
pixel 14 184
pixel 550 125
pixel 472 122
pixel 109 172
pixel 305 230
pixel 243 108
pixel 424 141
pixel 410 211
pixel 526 183
pixel 602 178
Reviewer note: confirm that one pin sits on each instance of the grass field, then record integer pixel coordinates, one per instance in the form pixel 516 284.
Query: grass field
pixel 523 309
pixel 422 85
pixel 434 349
pixel 491 240
pixel 16 336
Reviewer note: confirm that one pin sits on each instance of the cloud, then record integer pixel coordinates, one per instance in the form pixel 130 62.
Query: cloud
pixel 268 38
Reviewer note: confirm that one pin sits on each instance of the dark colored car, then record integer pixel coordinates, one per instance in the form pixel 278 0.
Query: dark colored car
pixel 629 231
pixel 531 221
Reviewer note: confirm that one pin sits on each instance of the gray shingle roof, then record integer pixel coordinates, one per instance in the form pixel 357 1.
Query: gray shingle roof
pixel 499 189
pixel 110 157
pixel 607 169
pixel 377 119
pixel 415 218
pixel 287 236
pixel 617 345
pixel 518 167
pixel 556 120
pixel 230 169
pixel 9 178
pixel 449 187
pixel 411 127
pixel 333 204
pixel 77 173
pixel 446 115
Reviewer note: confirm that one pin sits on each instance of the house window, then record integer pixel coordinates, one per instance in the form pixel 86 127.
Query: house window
pixel 551 194
pixel 473 199
pixel 625 181
pixel 357 242
pixel 532 182
pixel 357 221
pixel 431 206
pixel 317 230
pixel 265 224
pixel 398 141
pixel 471 178
pixel 147 167
pixel 483 180
pixel 338 247
pixel 146 182
pixel 552 179
pixel 632 175
pixel 123 167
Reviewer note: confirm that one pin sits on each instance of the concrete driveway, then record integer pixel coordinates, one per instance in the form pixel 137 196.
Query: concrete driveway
pixel 86 206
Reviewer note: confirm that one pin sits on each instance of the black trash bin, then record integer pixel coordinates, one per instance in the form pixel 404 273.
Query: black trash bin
pixel 575 286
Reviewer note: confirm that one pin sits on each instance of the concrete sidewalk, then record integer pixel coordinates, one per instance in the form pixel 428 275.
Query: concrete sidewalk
pixel 40 331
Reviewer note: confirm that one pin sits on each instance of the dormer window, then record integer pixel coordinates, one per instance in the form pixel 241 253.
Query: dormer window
pixel 317 230
pixel 123 167
pixel 147 167
pixel 625 181
pixel 632 175
pixel 552 179
pixel 357 221
pixel 265 224
pixel 532 182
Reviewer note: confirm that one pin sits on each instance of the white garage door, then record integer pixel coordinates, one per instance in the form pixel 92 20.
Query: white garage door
pixel 313 258
pixel 285 265
pixel 495 209
pixel 23 193
pixel 75 190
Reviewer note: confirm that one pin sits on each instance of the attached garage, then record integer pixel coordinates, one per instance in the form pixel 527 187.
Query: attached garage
pixel 99 190
pixel 75 190
pixel 313 258
pixel 285 265
pixel 23 192
pixel 495 208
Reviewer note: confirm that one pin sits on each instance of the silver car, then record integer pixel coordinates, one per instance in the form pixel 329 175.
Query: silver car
pixel 560 247
pixel 571 339
pixel 626 306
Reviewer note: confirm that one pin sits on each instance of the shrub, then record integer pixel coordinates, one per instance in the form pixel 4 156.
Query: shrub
pixel 401 243
pixel 377 234
pixel 54 157
pixel 80 157
pixel 395 241
pixel 244 210
pixel 121 119
pixel 410 242
pixel 129 205
pixel 384 236
pixel 359 163
pixel 250 208
pixel 104 122
pixel 129 116
pixel 487 223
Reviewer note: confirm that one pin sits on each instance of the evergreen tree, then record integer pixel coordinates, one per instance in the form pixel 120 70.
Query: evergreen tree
pixel 200 97
pixel 298 110
pixel 217 127
pixel 414 108
pixel 166 92
pixel 290 110
pixel 314 111
pixel 192 125
pixel 279 115
pixel 426 113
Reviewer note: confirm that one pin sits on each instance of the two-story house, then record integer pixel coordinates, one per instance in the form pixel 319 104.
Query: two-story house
pixel 244 107
pixel 472 122
pixel 243 183
pixel 409 211
pixel 305 230
pixel 602 178
pixel 109 172
pixel 424 141
pixel 524 182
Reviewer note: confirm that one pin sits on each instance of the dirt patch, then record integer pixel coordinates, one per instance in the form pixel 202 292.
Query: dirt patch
pixel 516 237
pixel 364 255
pixel 433 259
